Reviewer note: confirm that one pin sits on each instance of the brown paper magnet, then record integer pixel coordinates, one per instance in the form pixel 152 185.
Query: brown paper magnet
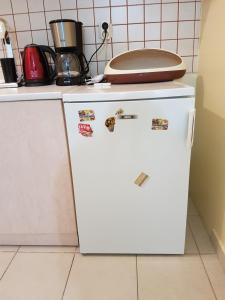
pixel 110 123
pixel 141 179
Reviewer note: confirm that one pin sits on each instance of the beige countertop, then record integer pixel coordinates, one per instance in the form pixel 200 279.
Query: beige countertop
pixel 129 92
pixel 53 92
pixel 47 92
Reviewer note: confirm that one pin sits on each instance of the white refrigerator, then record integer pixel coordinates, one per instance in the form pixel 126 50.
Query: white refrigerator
pixel 130 148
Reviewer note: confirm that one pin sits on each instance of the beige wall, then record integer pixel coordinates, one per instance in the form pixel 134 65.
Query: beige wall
pixel 208 160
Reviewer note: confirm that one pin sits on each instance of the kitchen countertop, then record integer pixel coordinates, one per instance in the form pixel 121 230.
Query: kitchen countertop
pixel 129 91
pixel 70 93
pixel 47 92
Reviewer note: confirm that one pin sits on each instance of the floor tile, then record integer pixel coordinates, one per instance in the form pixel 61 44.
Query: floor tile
pixel 8 248
pixel 98 277
pixel 216 274
pixel 36 276
pixel 192 210
pixel 190 245
pixel 5 259
pixel 173 278
pixel 200 234
pixel 47 249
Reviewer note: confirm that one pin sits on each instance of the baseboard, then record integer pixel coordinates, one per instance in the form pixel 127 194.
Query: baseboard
pixel 220 249
pixel 60 239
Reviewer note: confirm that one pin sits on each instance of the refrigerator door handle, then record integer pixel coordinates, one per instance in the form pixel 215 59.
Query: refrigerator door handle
pixel 191 127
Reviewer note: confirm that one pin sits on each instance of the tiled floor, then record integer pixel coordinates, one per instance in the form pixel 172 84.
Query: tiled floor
pixel 61 273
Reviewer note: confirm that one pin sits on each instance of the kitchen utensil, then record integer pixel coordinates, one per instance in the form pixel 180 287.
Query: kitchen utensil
pixel 36 65
pixel 144 65
pixel 8 63
pixel 4 35
pixel 9 69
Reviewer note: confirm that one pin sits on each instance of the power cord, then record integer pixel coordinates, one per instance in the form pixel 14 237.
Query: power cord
pixel 105 27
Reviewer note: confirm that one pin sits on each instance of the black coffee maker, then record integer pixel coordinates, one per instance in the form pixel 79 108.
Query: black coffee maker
pixel 71 64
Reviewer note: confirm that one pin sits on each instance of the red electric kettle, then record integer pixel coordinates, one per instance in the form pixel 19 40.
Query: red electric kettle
pixel 37 68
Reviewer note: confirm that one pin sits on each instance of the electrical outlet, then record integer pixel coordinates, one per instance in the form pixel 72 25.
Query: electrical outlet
pixel 101 31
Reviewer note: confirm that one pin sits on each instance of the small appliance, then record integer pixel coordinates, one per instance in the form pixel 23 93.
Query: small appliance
pixel 71 64
pixel 37 67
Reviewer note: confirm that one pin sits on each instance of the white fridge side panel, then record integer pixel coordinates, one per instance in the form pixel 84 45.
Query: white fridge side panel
pixel 114 214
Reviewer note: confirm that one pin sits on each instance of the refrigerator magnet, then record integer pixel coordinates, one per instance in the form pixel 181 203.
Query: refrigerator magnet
pixel 160 124
pixel 141 179
pixel 119 112
pixel 86 115
pixel 85 130
pixel 110 123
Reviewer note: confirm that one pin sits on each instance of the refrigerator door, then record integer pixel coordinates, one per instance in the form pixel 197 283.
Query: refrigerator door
pixel 131 179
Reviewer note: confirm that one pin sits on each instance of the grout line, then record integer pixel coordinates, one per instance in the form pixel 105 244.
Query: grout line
pixel 28 13
pixel 72 9
pixel 60 9
pixel 46 25
pixel 144 7
pixel 212 287
pixel 200 256
pixel 147 40
pixel 111 42
pixel 169 39
pixel 10 263
pixel 193 52
pixel 77 8
pixel 127 39
pixel 106 6
pixel 14 24
pixel 137 277
pixel 161 22
pixel 67 279
pixel 93 10
pixel 122 24
pixel 178 23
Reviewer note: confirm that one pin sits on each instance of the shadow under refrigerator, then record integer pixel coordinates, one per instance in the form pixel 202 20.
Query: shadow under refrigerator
pixel 130 148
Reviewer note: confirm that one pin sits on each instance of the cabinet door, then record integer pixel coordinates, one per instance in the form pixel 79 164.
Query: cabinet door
pixel 115 215
pixel 36 192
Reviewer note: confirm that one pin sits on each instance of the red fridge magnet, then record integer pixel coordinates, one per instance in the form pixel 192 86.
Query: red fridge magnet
pixel 85 130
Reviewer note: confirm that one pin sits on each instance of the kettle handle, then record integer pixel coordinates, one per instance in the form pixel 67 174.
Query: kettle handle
pixel 49 50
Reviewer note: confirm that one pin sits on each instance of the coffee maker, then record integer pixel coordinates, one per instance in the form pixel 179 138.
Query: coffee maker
pixel 71 64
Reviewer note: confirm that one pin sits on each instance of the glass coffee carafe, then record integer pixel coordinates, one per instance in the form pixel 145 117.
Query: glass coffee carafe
pixel 68 69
